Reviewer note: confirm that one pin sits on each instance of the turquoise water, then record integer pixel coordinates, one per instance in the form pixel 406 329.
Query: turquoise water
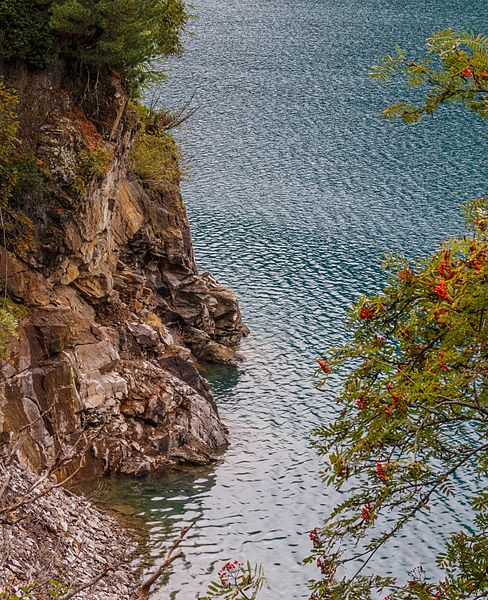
pixel 296 189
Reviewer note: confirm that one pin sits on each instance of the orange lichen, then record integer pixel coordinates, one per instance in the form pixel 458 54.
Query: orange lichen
pixel 86 128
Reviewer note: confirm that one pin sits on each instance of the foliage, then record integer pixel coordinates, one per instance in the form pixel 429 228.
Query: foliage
pixel 10 315
pixel 94 163
pixel 25 32
pixel 8 329
pixel 454 71
pixel 20 177
pixel 55 588
pixel 414 416
pixel 237 580
pixel 19 232
pixel 121 34
pixel 9 125
pixel 31 178
pixel 154 160
pixel 414 411
pixel 155 156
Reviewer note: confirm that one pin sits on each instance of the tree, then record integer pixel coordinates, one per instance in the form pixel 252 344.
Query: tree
pixel 414 404
pixel 120 34
pixel 25 32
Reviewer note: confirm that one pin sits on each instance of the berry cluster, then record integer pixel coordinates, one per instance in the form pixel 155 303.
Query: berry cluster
pixel 381 472
pixel 230 569
pixel 324 366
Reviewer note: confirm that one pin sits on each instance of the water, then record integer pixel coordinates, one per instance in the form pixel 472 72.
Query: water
pixel 296 189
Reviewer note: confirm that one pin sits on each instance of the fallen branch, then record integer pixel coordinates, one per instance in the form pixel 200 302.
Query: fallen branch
pixel 169 558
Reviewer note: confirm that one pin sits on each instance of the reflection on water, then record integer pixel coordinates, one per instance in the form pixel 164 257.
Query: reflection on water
pixel 297 188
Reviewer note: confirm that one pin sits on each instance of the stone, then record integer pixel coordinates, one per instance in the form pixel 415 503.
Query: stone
pixel 145 336
pixel 62 536
pixel 96 357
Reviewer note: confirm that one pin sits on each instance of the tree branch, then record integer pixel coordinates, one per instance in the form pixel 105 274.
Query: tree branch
pixel 169 558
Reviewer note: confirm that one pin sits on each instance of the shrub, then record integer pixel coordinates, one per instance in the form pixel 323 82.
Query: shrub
pixel 8 328
pixel 94 163
pixel 10 314
pixel 9 125
pixel 30 178
pixel 154 159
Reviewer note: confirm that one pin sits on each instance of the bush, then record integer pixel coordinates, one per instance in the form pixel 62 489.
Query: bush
pixel 9 125
pixel 30 178
pixel 8 327
pixel 94 163
pixel 10 314
pixel 154 159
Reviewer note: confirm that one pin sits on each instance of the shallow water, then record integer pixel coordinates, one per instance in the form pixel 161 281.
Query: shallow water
pixel 296 189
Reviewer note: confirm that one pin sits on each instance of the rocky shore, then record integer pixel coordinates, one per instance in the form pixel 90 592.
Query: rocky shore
pixel 113 320
pixel 59 543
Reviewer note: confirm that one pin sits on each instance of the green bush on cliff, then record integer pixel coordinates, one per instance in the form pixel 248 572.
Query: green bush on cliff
pixel 9 125
pixel 8 328
pixel 10 313
pixel 154 159
pixel 121 34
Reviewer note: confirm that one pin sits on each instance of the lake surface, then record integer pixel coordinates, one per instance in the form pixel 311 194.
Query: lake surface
pixel 296 189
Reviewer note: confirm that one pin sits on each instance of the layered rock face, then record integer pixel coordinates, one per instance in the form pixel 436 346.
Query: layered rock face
pixel 117 312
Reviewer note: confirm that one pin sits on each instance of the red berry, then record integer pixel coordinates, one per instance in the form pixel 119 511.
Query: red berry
pixel 323 365
pixel 366 313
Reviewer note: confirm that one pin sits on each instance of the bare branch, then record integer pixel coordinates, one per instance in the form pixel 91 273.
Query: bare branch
pixel 169 558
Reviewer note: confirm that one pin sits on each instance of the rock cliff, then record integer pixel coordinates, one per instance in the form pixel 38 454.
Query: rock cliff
pixel 117 314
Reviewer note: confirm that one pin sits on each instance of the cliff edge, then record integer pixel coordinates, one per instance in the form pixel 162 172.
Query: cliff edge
pixel 114 312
